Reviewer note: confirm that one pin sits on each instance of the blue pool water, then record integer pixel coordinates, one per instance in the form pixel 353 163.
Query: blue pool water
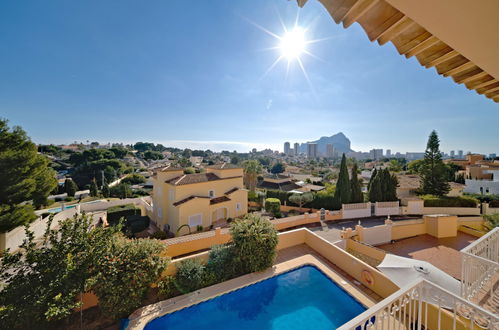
pixel 303 298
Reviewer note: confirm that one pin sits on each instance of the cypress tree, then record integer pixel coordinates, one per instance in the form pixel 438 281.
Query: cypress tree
pixel 94 191
pixel 391 193
pixel 343 191
pixel 105 189
pixel 375 193
pixel 373 174
pixel 70 187
pixel 433 172
pixel 356 191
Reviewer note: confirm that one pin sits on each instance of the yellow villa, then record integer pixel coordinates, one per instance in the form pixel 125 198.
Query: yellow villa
pixel 200 199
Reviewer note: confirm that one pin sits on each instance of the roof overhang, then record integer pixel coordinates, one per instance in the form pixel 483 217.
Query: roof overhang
pixel 458 37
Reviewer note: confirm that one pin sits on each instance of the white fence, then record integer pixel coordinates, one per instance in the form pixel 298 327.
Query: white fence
pixel 357 210
pixel 423 305
pixel 386 208
pixel 480 266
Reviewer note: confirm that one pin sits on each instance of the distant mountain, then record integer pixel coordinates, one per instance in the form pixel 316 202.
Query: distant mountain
pixel 340 142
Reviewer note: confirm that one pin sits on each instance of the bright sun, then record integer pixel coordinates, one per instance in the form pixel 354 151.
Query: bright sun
pixel 293 43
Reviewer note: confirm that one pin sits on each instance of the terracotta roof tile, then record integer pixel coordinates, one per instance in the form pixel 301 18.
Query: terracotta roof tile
pixel 220 199
pixel 231 191
pixel 185 200
pixel 223 166
pixel 193 178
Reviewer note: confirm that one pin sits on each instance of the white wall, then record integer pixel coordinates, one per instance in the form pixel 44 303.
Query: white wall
pixel 377 235
pixel 387 208
pixel 473 186
pixel 358 210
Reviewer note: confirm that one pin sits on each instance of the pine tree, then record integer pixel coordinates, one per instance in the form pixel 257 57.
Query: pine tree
pixel 94 191
pixel 433 172
pixel 343 191
pixel 356 191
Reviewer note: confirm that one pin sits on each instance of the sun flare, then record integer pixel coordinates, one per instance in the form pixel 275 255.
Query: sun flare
pixel 293 43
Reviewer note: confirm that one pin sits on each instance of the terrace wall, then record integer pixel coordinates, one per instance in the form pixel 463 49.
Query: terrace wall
pixel 357 210
pixel 387 208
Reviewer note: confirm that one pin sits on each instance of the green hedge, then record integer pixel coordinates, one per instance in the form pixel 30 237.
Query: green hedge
pixel 136 223
pixel 273 205
pixel 283 196
pixel 446 201
pixel 115 213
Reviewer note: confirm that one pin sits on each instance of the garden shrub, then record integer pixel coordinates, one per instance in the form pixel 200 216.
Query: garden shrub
pixel 159 235
pixel 115 213
pixel 221 262
pixel 283 196
pixel 126 274
pixel 167 288
pixel 491 221
pixel 447 201
pixel 136 223
pixel 190 275
pixel 273 205
pixel 255 240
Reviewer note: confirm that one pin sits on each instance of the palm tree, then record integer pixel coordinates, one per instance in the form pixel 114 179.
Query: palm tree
pixel 252 168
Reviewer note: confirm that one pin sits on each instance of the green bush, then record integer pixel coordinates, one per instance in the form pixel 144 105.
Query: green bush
pixel 134 179
pixel 167 288
pixel 491 221
pixel 283 196
pixel 159 235
pixel 190 275
pixel 115 213
pixel 126 274
pixel 255 240
pixel 273 205
pixel 136 223
pixel 221 262
pixel 446 201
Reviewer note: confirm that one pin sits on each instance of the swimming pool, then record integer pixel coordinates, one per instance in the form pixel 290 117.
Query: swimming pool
pixel 303 298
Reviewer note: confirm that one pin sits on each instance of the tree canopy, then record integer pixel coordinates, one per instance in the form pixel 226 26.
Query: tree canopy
pixel 24 175
pixel 252 168
pixel 433 172
pixel 277 168
pixel 41 282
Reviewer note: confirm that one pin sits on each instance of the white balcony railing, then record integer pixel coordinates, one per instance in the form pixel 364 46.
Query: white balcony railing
pixel 424 305
pixel 480 267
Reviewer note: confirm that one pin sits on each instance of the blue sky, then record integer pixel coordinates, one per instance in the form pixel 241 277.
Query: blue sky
pixel 192 74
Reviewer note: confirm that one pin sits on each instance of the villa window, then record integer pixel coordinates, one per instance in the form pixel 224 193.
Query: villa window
pixel 172 195
pixel 211 193
pixel 195 220
pixel 238 206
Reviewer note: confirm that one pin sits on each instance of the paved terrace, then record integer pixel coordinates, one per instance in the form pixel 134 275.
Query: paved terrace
pixel 440 252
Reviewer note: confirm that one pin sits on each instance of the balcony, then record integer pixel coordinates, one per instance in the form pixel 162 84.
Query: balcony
pixel 480 271
pixel 423 305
